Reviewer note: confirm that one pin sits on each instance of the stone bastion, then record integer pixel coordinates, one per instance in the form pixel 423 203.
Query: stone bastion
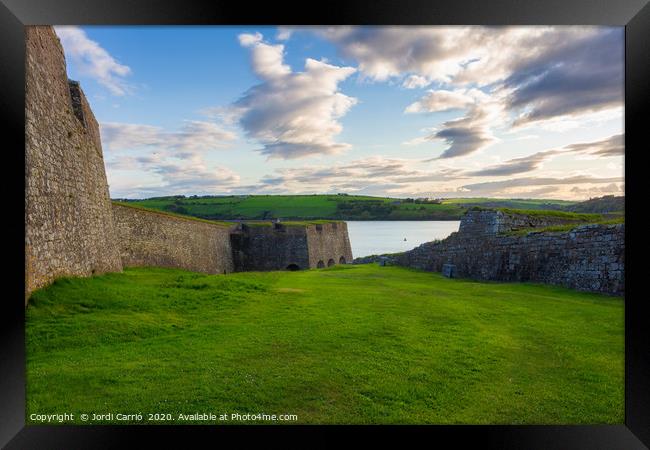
pixel 588 257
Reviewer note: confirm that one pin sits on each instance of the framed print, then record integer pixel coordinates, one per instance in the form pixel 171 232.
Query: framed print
pixel 367 217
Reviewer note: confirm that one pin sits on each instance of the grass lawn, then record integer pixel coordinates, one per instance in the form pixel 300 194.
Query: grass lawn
pixel 346 344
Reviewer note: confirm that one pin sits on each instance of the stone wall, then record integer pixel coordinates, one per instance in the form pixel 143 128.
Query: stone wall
pixel 329 244
pixel 149 238
pixel 68 222
pixel 490 222
pixel 589 257
pixel 280 246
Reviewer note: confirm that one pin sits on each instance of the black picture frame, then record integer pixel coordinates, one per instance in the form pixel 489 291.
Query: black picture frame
pixel 633 14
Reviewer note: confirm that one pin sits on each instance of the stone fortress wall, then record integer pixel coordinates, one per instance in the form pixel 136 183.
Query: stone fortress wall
pixel 587 258
pixel 280 246
pixel 328 244
pixel 488 222
pixel 150 238
pixel 73 229
pixel 68 222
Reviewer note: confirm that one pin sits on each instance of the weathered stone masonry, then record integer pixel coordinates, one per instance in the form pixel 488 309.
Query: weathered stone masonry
pixel 279 246
pixel 588 258
pixel 68 221
pixel 328 244
pixel 149 238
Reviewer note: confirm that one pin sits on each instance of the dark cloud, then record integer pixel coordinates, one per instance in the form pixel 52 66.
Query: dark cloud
pixel 498 186
pixel 514 166
pixel 574 76
pixel 463 140
pixel 612 146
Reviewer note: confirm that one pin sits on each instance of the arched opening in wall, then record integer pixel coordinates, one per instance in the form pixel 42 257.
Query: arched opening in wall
pixel 293 267
pixel 320 264
pixel 342 260
pixel 330 263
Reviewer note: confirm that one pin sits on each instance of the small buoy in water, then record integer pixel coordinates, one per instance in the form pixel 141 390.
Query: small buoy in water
pixel 405 239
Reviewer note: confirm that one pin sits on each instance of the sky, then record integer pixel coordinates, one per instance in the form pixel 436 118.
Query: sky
pixel 507 112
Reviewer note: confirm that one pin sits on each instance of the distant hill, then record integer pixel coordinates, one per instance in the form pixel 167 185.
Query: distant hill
pixel 512 203
pixel 606 204
pixel 332 206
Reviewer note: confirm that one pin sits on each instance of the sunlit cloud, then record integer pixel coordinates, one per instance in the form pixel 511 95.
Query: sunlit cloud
pixel 93 60
pixel 292 115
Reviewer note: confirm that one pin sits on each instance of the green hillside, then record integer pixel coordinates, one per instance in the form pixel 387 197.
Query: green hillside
pixel 606 204
pixel 341 207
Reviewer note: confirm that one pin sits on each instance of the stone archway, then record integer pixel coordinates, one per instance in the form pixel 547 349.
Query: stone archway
pixel 342 260
pixel 293 267
pixel 320 264
pixel 330 263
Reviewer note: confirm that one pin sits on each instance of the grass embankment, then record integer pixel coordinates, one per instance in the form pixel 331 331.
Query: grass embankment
pixel 566 227
pixel 576 220
pixel 564 215
pixel 347 344
pixel 337 207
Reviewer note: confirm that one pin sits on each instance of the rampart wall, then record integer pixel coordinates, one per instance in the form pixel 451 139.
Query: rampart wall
pixel 588 258
pixel 68 221
pixel 150 238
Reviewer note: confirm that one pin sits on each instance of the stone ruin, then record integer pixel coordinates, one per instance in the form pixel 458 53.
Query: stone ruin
pixel 588 257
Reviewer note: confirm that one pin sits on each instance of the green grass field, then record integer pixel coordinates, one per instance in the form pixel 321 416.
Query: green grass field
pixel 346 344
pixel 345 207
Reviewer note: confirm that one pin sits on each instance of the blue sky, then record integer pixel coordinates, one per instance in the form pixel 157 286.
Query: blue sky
pixel 398 111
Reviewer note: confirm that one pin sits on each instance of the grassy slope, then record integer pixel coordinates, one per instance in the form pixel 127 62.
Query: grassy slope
pixel 347 344
pixel 301 207
pixel 515 203
pixel 327 207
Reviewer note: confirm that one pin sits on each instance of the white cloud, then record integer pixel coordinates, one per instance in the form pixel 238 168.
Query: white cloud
pixel 415 81
pixel 441 100
pixel 292 114
pixel 93 60
pixel 194 136
pixel 164 173
pixel 284 33
pixel 161 176
pixel 359 176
